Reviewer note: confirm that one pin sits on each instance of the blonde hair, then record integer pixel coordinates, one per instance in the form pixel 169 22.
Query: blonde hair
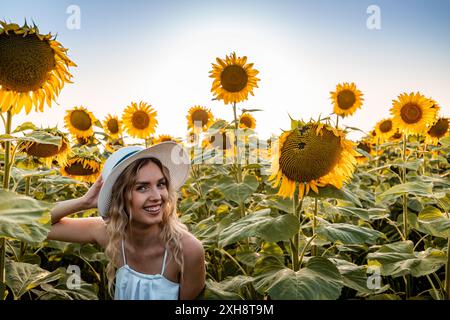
pixel 119 218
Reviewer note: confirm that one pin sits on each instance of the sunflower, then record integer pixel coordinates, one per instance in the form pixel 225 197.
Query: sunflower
pixel 82 165
pixel 247 121
pixel 313 155
pixel 79 122
pixel 199 117
pixel 85 141
pixel 112 126
pixel 366 146
pixel 233 79
pixel 438 130
pixel 33 68
pixel 396 136
pixel 47 152
pixel 384 129
pixel 140 120
pixel 114 145
pixel 165 137
pixel 413 113
pixel 346 99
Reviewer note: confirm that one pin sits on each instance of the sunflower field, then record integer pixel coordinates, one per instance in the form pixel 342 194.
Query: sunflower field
pixel 306 215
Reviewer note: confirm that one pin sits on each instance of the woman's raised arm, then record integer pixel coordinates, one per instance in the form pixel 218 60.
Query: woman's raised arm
pixel 80 230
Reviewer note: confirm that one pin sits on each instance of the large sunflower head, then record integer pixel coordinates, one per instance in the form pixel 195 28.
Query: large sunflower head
pixel 312 154
pixel 233 78
pixel 112 126
pixel 247 121
pixel 33 68
pixel 384 129
pixel 83 164
pixel 346 99
pixel 47 152
pixel 199 117
pixel 438 130
pixel 79 122
pixel 139 120
pixel 413 113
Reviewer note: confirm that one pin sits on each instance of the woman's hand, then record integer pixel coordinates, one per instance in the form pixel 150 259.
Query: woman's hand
pixel 90 198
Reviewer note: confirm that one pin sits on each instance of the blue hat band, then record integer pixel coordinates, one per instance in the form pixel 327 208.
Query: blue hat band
pixel 125 157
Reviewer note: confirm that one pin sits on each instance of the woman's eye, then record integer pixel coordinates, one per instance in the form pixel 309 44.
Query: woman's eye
pixel 161 184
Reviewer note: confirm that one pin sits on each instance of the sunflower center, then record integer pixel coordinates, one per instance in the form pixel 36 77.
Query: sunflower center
pixel 309 156
pixel 411 113
pixel 346 99
pixel 233 78
pixel 364 146
pixel 77 169
pixel 396 135
pixel 439 129
pixel 24 62
pixel 43 150
pixel 386 126
pixel 113 126
pixel 247 122
pixel 200 115
pixel 140 120
pixel 80 120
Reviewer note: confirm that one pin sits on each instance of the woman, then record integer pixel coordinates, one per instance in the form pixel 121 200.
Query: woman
pixel 152 255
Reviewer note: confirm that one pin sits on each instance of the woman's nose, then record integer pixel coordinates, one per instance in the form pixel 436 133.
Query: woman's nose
pixel 154 194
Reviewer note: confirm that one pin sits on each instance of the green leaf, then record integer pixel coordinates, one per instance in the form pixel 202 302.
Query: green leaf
pixel 23 217
pixel 432 221
pixel 363 213
pixel 399 259
pixel 260 224
pixel 332 192
pixel 85 291
pixel 239 192
pixel 318 280
pixel 25 126
pixel 349 233
pixel 355 276
pixel 22 277
pixel 415 188
pixel 35 136
pixel 217 291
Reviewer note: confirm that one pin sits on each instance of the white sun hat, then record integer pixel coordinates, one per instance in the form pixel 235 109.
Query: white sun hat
pixel 171 154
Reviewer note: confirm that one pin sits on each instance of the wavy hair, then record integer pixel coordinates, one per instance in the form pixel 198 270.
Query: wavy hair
pixel 119 218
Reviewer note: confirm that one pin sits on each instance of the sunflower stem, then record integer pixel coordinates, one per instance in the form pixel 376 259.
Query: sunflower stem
pixel 424 169
pixel 7 169
pixel 237 157
pixel 314 226
pixel 294 243
pixel 405 196
pixel 447 271
pixel 337 121
pixel 405 213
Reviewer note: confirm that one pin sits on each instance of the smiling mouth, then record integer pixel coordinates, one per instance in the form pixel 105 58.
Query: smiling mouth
pixel 153 209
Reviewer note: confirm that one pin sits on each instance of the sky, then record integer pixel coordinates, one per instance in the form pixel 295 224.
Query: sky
pixel 161 52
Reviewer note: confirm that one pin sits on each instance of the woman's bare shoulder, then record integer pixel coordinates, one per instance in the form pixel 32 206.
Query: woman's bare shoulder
pixel 192 247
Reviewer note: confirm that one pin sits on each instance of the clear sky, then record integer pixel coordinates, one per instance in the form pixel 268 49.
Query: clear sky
pixel 161 52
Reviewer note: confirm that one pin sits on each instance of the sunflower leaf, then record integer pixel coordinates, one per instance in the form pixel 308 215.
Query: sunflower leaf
pixel 23 217
pixel 349 233
pixel 399 259
pixel 415 188
pixel 260 224
pixel 319 279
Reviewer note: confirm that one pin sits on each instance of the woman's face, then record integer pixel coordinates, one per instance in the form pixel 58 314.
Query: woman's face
pixel 149 194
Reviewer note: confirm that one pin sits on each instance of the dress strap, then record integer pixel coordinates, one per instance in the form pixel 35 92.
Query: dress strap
pixel 164 262
pixel 123 252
